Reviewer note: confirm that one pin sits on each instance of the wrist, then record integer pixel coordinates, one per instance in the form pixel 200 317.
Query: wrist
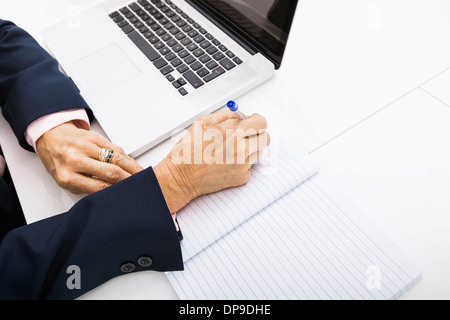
pixel 174 189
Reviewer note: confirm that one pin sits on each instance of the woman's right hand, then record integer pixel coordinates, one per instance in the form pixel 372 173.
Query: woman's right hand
pixel 217 153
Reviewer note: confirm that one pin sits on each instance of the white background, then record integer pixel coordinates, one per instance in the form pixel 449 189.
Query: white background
pixel 365 89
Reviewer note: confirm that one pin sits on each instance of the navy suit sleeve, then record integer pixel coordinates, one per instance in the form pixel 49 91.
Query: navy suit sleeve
pixel 99 235
pixel 31 85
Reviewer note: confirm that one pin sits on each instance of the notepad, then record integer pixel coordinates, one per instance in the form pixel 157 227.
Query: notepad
pixel 287 234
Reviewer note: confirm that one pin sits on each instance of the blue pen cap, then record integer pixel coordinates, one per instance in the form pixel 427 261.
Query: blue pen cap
pixel 232 105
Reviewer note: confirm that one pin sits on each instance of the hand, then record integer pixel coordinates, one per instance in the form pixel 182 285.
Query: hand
pixel 71 156
pixel 217 153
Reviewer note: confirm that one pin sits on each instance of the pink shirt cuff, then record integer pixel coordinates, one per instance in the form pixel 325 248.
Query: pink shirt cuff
pixel 40 126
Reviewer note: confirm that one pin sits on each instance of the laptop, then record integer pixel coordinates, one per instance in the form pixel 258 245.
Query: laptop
pixel 148 68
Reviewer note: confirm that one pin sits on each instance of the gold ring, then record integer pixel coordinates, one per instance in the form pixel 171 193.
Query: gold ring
pixel 105 155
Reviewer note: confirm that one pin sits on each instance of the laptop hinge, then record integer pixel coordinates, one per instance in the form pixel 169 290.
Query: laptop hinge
pixel 232 34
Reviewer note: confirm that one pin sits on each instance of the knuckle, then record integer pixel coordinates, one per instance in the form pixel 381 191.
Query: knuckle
pixel 114 174
pixel 63 178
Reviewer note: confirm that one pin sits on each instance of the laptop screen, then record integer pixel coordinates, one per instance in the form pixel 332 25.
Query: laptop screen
pixel 263 23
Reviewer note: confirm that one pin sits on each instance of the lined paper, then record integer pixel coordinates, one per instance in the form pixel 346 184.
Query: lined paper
pixel 209 217
pixel 289 235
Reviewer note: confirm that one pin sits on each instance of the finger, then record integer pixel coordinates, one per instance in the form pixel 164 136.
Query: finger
pixel 254 157
pixel 122 160
pixel 256 124
pixel 119 157
pixel 257 143
pixel 106 172
pixel 79 184
pixel 219 117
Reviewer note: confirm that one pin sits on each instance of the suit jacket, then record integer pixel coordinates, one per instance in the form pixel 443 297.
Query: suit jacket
pixel 125 228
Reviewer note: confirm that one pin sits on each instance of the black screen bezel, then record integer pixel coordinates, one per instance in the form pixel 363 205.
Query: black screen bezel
pixel 275 56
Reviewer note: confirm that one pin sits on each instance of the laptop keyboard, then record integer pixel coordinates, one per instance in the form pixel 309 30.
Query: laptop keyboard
pixel 178 47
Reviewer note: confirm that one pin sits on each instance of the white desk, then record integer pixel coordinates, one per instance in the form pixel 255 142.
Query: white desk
pixel 350 92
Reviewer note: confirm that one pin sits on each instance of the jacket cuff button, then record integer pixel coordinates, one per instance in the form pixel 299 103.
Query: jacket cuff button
pixel 128 267
pixel 145 261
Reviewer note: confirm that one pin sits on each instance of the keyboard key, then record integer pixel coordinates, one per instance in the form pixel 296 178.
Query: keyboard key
pixel 141 13
pixel 196 65
pixel 143 30
pixel 164 50
pixel 150 22
pixel 138 24
pixel 174 31
pixel 118 18
pixel 170 78
pixel 135 7
pixel 216 42
pixel 212 50
pixel 191 47
pixel 237 60
pixel 203 72
pixel 181 23
pixel 155 27
pixel 159 63
pixel 159 45
pixel 203 31
pixel 166 37
pixel 186 41
pixel 211 65
pixel 176 62
pixel 183 54
pixel 205 58
pixel 198 52
pixel 209 36
pixel 153 39
pixel 171 42
pixel 149 34
pixel 183 68
pixel 176 84
pixel 183 91
pixel 115 14
pixel 227 64
pixel 124 10
pixel 163 21
pixel 187 28
pixel 128 29
pixel 122 24
pixel 166 70
pixel 196 26
pixel 180 36
pixel 214 74
pixel 170 56
pixel 218 56
pixel 144 46
pixel 189 59
pixel 192 34
pixel 206 44
pixel 193 79
pixel 199 38
pixel 169 26
pixel 230 54
pixel 160 32
pixel 182 81
pixel 177 48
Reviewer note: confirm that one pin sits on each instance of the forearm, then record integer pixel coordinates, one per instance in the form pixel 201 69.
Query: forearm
pixel 101 233
pixel 31 85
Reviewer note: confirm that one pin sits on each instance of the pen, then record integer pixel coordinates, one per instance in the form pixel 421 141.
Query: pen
pixel 233 106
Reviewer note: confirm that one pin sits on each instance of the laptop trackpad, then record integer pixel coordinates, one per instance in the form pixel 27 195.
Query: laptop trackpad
pixel 106 69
